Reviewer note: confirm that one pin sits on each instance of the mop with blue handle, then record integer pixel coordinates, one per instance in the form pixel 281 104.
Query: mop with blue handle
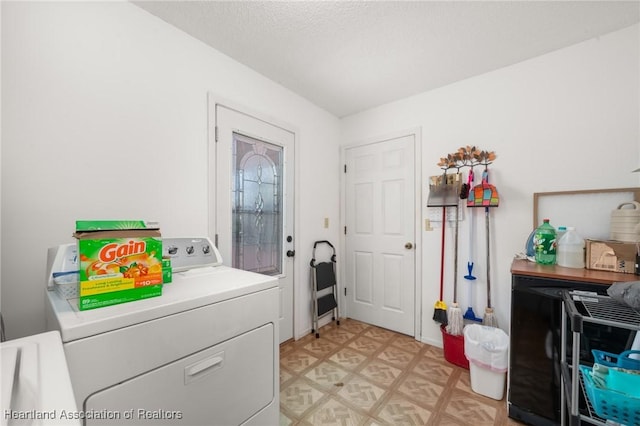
pixel 470 315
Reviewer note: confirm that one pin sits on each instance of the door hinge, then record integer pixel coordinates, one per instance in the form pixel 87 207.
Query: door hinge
pixel 345 168
pixel 345 230
pixel 216 133
pixel 345 291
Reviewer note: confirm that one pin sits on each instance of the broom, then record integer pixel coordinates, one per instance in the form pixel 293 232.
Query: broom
pixel 489 317
pixel 469 314
pixel 455 319
pixel 440 308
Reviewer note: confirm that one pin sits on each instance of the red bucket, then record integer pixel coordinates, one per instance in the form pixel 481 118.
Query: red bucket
pixel 454 349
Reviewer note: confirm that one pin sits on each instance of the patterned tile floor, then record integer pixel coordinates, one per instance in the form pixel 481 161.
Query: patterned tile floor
pixel 359 374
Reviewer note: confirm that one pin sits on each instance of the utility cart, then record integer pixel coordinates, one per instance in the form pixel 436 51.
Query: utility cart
pixel 578 309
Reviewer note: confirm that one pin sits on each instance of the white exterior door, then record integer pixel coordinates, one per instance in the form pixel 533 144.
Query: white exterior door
pixel 380 212
pixel 252 174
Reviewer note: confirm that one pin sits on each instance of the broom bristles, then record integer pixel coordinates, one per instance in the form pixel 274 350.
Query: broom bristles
pixel 489 318
pixel 440 312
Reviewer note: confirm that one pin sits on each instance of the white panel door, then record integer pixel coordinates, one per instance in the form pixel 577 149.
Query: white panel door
pixel 253 209
pixel 380 220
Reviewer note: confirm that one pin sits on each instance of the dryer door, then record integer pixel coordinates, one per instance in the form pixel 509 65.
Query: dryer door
pixel 225 384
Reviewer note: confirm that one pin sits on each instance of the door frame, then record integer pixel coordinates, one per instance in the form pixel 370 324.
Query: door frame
pixel 416 132
pixel 214 100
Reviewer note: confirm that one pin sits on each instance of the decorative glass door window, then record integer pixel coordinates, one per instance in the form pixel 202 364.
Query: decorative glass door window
pixel 257 205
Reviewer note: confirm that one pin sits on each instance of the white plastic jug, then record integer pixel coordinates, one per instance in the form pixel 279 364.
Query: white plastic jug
pixel 571 249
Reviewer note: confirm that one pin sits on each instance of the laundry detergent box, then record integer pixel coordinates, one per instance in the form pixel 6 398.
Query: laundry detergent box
pixel 116 297
pixel 167 270
pixel 116 257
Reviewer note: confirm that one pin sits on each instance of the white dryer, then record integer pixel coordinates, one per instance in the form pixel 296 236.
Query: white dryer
pixel 204 353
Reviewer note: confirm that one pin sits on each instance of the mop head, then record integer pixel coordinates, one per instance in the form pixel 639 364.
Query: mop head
pixel 440 312
pixel 489 318
pixel 456 322
pixel 471 316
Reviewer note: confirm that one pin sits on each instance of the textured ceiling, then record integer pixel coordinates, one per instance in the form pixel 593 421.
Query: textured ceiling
pixel 348 56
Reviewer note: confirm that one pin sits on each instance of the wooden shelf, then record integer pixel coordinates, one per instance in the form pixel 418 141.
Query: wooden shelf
pixel 527 268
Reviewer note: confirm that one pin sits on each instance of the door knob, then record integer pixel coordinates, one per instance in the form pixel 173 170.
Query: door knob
pixel 408 246
pixel 291 253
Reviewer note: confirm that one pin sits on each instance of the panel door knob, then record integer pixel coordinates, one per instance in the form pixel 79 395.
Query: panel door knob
pixel 408 246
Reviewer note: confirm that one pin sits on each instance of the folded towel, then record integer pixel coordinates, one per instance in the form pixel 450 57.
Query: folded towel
pixel 627 371
pixel 599 374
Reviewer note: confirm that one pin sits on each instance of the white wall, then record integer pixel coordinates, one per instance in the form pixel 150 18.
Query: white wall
pixel 104 116
pixel 104 111
pixel 563 121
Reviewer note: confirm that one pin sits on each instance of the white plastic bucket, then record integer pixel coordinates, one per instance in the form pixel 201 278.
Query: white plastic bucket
pixel 487 382
pixel 486 348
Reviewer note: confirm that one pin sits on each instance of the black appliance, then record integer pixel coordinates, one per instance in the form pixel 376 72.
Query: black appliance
pixel 534 373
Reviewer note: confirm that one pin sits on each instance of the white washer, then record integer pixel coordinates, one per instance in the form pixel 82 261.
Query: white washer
pixel 204 353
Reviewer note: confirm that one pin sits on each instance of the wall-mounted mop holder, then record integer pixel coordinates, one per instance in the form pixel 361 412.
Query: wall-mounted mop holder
pixel 482 195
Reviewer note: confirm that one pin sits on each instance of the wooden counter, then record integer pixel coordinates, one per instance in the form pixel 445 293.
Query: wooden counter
pixel 532 269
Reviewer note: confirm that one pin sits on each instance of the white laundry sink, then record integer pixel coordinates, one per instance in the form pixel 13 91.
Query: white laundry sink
pixel 36 388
